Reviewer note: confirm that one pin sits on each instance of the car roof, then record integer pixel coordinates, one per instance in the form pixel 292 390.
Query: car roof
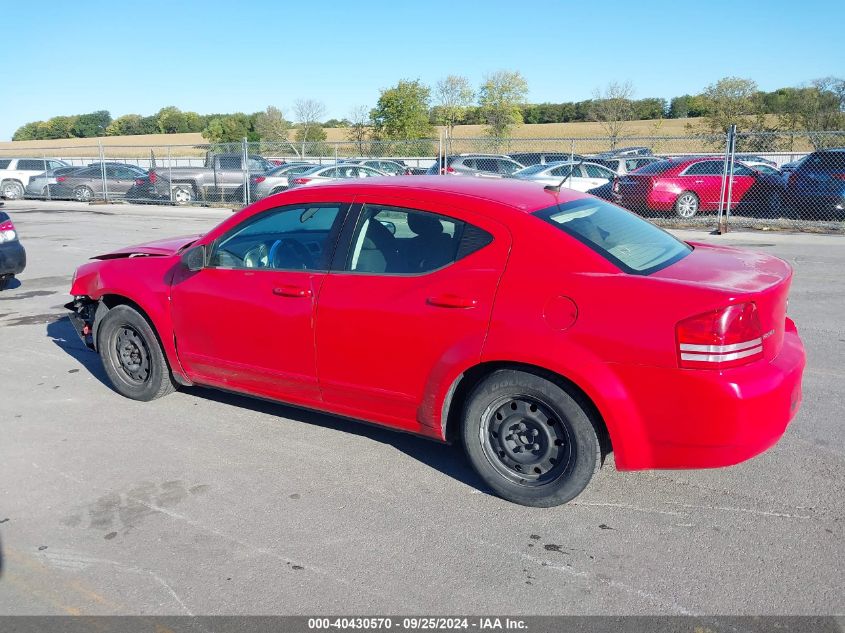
pixel 520 195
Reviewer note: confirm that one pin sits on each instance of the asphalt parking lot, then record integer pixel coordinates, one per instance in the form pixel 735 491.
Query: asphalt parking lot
pixel 210 503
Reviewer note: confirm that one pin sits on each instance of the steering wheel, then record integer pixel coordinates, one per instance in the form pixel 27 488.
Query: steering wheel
pixel 289 253
pixel 257 257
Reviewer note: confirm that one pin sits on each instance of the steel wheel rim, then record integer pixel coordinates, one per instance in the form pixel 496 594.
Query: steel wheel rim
pixel 525 441
pixel 687 206
pixel 132 355
pixel 11 191
pixel 181 195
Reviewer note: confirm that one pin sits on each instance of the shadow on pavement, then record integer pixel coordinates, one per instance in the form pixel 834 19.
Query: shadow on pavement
pixel 450 460
pixel 63 335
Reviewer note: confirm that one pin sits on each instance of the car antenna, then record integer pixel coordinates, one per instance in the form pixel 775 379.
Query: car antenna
pixel 567 177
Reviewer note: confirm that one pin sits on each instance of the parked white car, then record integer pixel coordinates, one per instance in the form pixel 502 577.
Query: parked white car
pixel 16 172
pixel 328 173
pixel 576 175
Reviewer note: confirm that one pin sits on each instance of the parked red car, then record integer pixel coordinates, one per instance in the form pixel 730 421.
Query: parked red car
pixel 689 186
pixel 542 328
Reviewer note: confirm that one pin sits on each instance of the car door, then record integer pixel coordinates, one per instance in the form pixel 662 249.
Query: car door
pixel 705 180
pixel 409 296
pixel 596 175
pixel 743 180
pixel 120 180
pixel 245 321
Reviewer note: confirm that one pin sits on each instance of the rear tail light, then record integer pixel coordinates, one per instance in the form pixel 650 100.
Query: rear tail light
pixel 256 179
pixel 301 181
pixel 139 182
pixel 792 177
pixel 152 176
pixel 838 176
pixel 7 232
pixel 448 170
pixel 728 337
pixel 61 178
pixel 615 185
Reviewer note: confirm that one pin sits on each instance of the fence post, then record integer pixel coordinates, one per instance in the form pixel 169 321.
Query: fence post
pixel 730 140
pixel 335 153
pixel 245 170
pixel 47 185
pixel 170 173
pixel 103 170
pixel 440 157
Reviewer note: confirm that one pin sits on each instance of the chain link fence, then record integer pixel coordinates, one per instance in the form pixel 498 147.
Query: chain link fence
pixel 778 180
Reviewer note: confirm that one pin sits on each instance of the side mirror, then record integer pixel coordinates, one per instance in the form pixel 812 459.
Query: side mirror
pixel 194 258
pixel 390 226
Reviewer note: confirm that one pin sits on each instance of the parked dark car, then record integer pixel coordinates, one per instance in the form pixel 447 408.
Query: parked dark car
pixel 479 165
pixel 624 151
pixel 86 184
pixel 816 188
pixel 12 253
pixel 625 164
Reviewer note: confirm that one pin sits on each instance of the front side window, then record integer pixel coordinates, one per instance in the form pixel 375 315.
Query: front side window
pixel 289 238
pixel 392 240
pixel 594 171
pixel 629 242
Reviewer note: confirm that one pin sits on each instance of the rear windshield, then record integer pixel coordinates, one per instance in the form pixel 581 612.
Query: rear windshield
pixel 657 167
pixel 626 240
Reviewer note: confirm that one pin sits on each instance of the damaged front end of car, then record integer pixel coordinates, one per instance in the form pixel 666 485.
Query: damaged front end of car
pixel 83 317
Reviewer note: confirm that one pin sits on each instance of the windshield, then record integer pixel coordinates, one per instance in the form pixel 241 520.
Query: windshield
pixel 626 240
pixel 657 167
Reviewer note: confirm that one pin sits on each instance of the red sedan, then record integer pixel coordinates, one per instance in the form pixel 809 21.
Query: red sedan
pixel 541 328
pixel 689 186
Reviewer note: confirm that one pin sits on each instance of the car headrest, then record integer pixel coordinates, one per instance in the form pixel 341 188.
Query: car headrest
pixel 424 225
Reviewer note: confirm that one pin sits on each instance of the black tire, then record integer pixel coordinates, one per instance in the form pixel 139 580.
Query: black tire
pixel 687 205
pixel 83 193
pixel 4 281
pixel 12 190
pixel 132 356
pixel 530 440
pixel 183 193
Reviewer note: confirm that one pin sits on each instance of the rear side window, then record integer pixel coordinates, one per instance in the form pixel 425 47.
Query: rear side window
pixel 657 167
pixel 397 241
pixel 626 240
pixel 705 168
pixel 833 161
pixel 4 163
pixel 32 165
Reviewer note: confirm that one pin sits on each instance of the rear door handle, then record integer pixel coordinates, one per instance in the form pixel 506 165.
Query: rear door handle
pixel 698 182
pixel 292 291
pixel 451 301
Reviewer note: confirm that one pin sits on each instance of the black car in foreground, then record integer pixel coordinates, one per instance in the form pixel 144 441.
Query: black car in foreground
pixel 12 254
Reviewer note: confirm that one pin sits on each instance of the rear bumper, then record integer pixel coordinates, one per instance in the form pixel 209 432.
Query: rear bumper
pixel 12 258
pixel 708 418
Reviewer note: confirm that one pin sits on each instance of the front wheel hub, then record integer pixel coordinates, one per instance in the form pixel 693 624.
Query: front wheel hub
pixel 525 440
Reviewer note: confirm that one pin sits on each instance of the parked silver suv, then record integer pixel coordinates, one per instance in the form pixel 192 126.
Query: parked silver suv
pixel 16 172
pixel 479 165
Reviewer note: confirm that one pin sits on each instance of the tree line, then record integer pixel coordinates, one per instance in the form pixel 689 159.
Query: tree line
pixel 410 109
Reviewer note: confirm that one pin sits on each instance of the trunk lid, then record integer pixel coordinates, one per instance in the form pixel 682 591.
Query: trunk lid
pixel 742 276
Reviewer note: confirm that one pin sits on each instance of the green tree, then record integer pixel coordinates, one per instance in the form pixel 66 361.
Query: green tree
pixel 453 95
pixel 401 112
pixel 271 125
pixel 500 98
pixel 171 120
pixel 229 128
pixel 731 101
pixel 90 125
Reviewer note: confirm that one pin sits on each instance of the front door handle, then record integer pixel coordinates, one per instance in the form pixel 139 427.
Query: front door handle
pixel 452 301
pixel 292 291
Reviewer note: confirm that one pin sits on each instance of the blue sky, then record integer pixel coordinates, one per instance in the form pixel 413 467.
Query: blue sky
pixel 210 56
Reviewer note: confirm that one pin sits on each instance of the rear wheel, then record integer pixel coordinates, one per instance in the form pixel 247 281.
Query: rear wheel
pixel 686 206
pixel 132 356
pixel 12 190
pixel 83 193
pixel 183 193
pixel 529 439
